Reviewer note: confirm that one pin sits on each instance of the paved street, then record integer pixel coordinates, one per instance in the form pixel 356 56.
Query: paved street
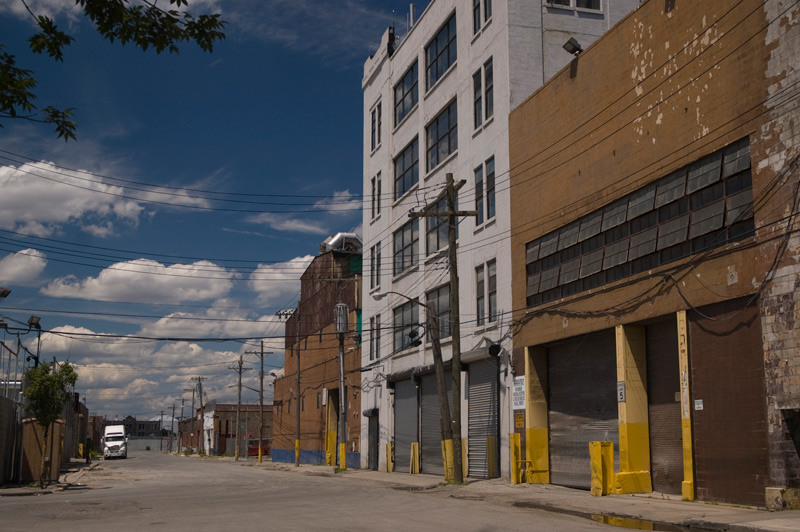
pixel 155 491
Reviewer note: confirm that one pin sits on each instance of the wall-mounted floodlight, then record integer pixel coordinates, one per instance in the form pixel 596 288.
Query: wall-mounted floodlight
pixel 33 322
pixel 4 292
pixel 573 46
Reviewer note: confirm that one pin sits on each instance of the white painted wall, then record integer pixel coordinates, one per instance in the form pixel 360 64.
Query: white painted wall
pixel 513 38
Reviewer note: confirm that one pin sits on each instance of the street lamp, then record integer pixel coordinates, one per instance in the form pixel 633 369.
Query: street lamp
pixel 432 321
pixel 4 292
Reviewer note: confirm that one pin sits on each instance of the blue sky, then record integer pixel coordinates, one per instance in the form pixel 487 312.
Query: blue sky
pixel 199 188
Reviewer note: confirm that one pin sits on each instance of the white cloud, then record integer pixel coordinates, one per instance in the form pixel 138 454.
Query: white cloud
pixel 147 281
pixel 330 29
pixel 23 266
pixel 342 202
pixel 287 223
pixel 38 198
pixel 275 282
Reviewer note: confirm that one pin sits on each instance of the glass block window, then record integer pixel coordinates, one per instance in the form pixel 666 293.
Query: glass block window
pixel 703 205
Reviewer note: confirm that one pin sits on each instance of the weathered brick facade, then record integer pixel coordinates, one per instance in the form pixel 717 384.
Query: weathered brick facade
pixel 671 84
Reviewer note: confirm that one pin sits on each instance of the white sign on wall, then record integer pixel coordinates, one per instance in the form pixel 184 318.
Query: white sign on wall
pixel 519 393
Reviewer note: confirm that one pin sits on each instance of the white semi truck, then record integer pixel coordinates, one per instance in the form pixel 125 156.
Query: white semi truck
pixel 115 442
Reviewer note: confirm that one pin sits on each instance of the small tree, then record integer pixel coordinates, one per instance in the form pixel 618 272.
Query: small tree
pixel 46 393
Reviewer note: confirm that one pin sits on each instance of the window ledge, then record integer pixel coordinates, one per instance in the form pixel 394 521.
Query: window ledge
pixel 481 31
pixel 441 164
pixel 441 79
pixel 485 328
pixel 408 192
pixel 439 254
pixel 590 11
pixel 406 118
pixel 485 225
pixel 375 219
pixel 405 273
pixel 378 147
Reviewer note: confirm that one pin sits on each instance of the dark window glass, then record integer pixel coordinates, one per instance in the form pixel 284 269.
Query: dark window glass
pixel 442 135
pixel 406 169
pixel 440 53
pixel 406 246
pixel 406 94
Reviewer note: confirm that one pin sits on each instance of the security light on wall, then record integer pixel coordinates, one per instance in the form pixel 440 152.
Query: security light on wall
pixel 573 46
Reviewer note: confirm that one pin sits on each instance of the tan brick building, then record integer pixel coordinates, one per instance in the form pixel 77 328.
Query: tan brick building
pixel 654 255
pixel 333 276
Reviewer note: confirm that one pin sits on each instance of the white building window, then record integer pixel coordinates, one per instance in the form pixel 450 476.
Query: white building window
pixel 582 4
pixel 442 135
pixel 436 236
pixel 406 169
pixel 376 121
pixel 440 299
pixel 486 293
pixel 440 53
pixel 375 337
pixel 376 195
pixel 375 266
pixel 406 320
pixel 477 20
pixel 484 191
pixel 406 246
pixel 406 94
pixel 483 93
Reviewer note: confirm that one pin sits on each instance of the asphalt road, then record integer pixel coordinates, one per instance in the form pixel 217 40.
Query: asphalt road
pixel 154 491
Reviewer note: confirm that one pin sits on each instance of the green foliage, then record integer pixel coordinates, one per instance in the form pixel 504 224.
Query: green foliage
pixel 47 391
pixel 146 26
pixel 147 448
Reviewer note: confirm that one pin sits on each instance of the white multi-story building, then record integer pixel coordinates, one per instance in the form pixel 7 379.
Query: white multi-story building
pixel 436 101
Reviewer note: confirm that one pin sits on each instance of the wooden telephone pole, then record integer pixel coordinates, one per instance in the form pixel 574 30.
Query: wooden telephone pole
pixel 239 370
pixel 450 191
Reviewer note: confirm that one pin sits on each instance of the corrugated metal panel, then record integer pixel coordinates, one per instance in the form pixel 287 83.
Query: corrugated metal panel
pixel 374 431
pixel 730 431
pixel 405 423
pixel 483 416
pixel 430 426
pixel 582 376
pixel 664 407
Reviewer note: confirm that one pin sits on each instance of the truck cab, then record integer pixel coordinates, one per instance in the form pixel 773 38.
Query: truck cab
pixel 115 442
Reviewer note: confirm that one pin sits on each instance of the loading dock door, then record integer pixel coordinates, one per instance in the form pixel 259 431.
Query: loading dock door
pixel 431 431
pixel 729 410
pixel 582 375
pixel 405 423
pixel 483 407
pixel 664 407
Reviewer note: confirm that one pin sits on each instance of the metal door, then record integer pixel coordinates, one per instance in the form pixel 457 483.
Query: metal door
pixel 373 441
pixel 405 423
pixel 431 461
pixel 664 407
pixel 483 415
pixel 582 375
pixel 729 416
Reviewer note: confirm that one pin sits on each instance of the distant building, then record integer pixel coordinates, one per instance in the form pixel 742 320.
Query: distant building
pixel 654 194
pixel 333 276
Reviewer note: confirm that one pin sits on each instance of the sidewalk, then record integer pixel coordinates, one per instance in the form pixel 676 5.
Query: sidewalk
pixel 70 475
pixel 645 512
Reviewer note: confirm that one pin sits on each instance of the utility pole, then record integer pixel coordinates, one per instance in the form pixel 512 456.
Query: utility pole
pixel 171 428
pixel 180 427
pixel 203 415
pixel 161 432
pixel 450 191
pixel 260 398
pixel 239 370
pixel 287 314
pixel 340 316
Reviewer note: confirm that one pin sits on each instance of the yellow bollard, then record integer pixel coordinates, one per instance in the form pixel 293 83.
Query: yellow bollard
pixel 514 455
pixel 342 456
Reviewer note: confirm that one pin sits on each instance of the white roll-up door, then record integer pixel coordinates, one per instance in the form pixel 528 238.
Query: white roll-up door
pixel 431 429
pixel 405 423
pixel 483 416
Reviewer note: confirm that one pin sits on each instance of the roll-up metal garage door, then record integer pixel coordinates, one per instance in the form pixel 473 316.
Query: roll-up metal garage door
pixel 729 418
pixel 430 426
pixel 582 376
pixel 664 407
pixel 405 423
pixel 483 407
